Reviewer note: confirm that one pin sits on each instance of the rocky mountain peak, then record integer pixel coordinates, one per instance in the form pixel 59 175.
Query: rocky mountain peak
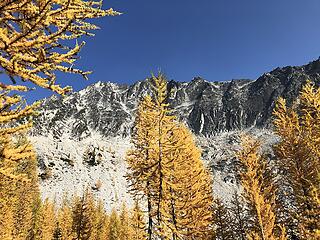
pixel 207 107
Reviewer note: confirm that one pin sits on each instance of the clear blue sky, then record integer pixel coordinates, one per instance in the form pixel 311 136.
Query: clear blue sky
pixel 215 39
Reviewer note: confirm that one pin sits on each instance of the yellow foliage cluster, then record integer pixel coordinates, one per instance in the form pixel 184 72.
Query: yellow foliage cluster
pixel 81 218
pixel 33 37
pixel 18 189
pixel 258 192
pixel 298 155
pixel 85 218
pixel 15 119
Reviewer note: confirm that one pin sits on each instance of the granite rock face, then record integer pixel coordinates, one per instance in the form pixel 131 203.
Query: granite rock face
pixel 207 107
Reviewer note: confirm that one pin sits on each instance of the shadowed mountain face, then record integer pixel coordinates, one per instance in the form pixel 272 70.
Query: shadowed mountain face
pixel 207 107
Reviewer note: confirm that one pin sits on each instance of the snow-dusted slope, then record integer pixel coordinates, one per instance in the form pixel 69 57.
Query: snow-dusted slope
pixel 65 167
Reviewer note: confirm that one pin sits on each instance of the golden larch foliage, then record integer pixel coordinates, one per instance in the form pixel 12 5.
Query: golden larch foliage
pixel 83 211
pixel 166 170
pixel 47 221
pixel 12 110
pixel 124 233
pixel 189 194
pixel 34 34
pixel 146 160
pixel 114 226
pixel 298 156
pixel 64 221
pixel 34 47
pixel 100 228
pixel 137 223
pixel 139 162
pixel 27 193
pixel 18 188
pixel 259 191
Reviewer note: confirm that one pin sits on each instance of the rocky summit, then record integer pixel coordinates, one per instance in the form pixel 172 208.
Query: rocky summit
pixel 97 122
pixel 207 107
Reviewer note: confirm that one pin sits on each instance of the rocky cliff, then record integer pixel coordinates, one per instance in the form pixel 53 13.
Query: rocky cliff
pixel 207 107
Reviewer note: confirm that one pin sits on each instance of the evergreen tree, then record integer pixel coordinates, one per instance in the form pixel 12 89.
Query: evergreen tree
pixel 259 191
pixel 83 210
pixel 114 226
pixel 64 221
pixel 124 233
pixel 57 234
pixel 47 221
pixel 100 229
pixel 137 223
pixel 298 158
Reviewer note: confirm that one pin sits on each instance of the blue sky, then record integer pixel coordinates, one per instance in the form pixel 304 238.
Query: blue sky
pixel 215 39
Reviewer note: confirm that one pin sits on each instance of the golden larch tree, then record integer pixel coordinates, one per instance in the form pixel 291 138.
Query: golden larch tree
pixel 8 200
pixel 12 110
pixel 124 233
pixel 139 160
pixel 64 220
pixel 298 157
pixel 259 192
pixel 27 193
pixel 166 167
pixel 47 221
pixel 17 163
pixel 137 223
pixel 146 160
pixel 100 228
pixel 33 47
pixel 114 226
pixel 83 211
pixel 189 194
